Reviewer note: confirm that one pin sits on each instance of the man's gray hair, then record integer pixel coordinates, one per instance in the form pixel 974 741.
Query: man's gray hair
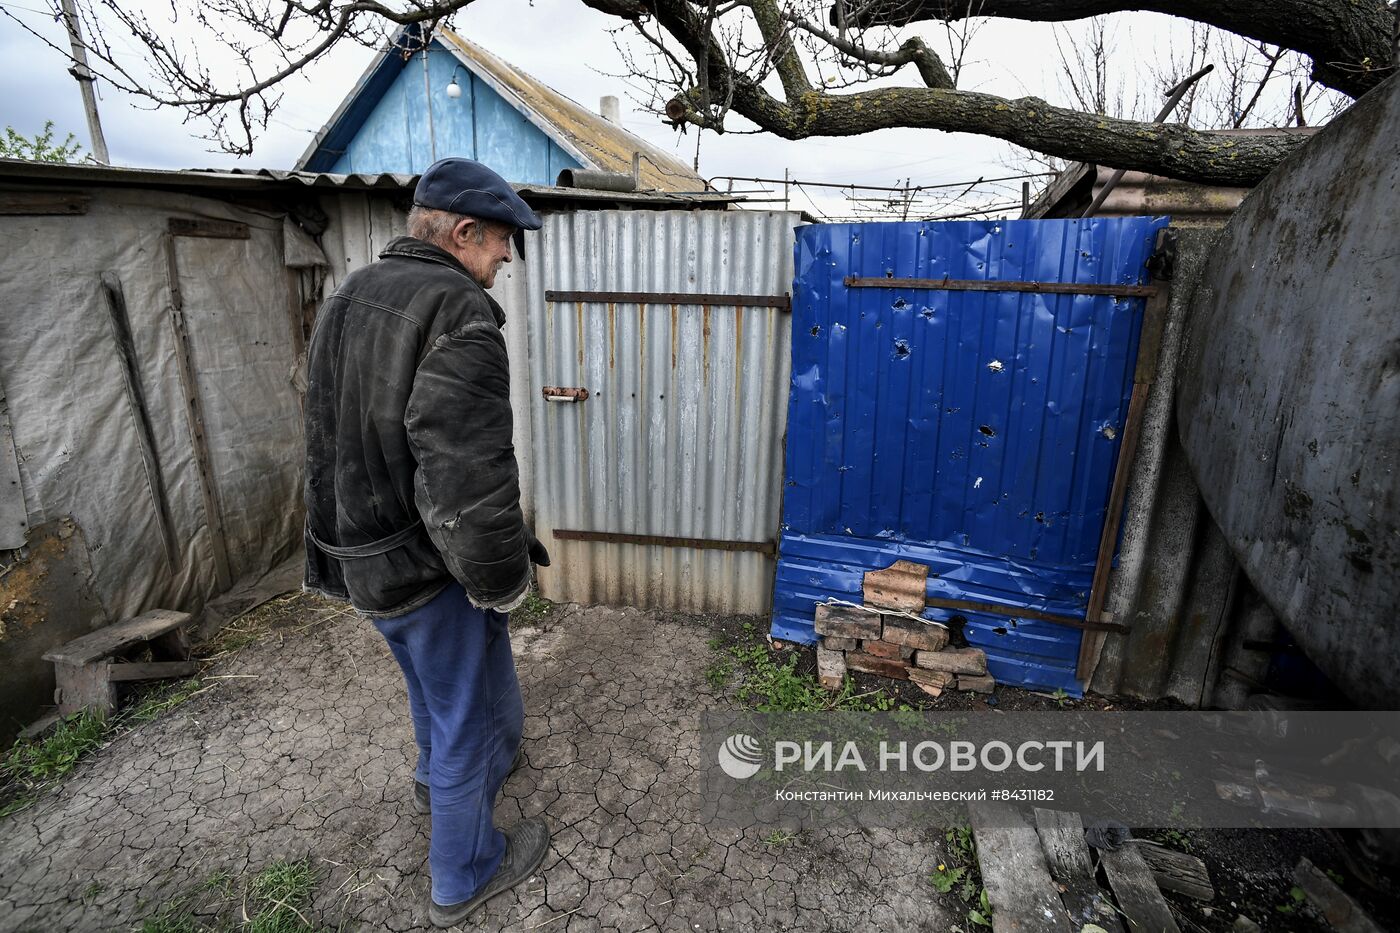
pixel 434 226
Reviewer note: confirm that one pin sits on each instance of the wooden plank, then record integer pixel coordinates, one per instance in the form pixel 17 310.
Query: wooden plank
pixel 151 670
pixel 1177 871
pixel 1067 855
pixel 38 203
pixel 1021 892
pixel 981 285
pixel 14 514
pixel 107 641
pixel 140 414
pixel 1341 912
pixel 194 412
pixel 204 227
pixel 1142 904
pixel 83 687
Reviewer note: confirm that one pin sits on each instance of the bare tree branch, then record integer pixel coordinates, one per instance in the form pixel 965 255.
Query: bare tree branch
pixel 1351 42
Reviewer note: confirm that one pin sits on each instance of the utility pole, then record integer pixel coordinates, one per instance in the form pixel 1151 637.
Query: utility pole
pixel 85 79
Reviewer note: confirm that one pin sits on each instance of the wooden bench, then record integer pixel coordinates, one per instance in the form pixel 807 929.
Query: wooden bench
pixel 87 675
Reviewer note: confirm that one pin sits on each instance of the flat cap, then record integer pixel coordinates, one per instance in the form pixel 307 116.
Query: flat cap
pixel 463 186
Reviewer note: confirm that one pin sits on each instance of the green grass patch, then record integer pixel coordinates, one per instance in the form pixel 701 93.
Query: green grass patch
pixel 534 610
pixel 958 874
pixel 277 896
pixel 769 681
pixel 274 900
pixel 32 766
pixel 163 699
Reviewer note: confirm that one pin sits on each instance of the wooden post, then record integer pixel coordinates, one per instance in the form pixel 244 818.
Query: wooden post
pixel 85 79
pixel 194 412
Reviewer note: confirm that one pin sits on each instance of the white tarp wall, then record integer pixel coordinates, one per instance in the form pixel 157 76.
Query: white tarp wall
pixel 102 384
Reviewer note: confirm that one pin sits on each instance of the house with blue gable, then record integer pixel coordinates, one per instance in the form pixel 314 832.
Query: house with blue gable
pixel 422 101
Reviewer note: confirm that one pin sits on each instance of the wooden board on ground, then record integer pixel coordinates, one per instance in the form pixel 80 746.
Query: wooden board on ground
pixel 1067 855
pixel 1023 896
pixel 1340 911
pixel 1136 890
pixel 1177 871
pixel 111 639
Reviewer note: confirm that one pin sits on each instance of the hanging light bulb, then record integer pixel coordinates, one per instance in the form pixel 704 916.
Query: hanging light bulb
pixel 454 90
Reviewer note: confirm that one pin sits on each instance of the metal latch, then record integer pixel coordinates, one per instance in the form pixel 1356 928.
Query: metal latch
pixel 564 393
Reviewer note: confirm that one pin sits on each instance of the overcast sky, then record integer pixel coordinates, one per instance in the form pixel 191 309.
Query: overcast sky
pixel 567 45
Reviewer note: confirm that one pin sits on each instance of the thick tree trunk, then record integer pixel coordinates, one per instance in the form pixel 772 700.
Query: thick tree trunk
pixel 1161 149
pixel 1351 42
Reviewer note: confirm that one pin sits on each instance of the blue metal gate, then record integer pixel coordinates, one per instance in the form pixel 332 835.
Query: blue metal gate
pixel 972 431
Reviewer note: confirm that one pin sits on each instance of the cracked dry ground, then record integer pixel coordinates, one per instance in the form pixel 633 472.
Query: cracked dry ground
pixel 304 749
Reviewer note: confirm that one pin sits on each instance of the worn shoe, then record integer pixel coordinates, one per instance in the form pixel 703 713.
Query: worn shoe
pixel 423 795
pixel 526 845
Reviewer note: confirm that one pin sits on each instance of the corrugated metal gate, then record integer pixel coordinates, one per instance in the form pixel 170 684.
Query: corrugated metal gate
pixel 659 349
pixel 969 428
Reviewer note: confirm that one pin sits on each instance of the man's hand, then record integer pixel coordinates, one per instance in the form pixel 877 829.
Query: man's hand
pixel 536 550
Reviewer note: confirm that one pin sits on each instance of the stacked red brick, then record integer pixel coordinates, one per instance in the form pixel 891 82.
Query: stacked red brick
pixel 884 637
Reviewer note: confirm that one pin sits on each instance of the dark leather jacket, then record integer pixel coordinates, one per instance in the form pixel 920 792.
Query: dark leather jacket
pixel 411 477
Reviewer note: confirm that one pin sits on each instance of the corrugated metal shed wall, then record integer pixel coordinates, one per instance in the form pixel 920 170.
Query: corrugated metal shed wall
pixel 972 431
pixel 682 434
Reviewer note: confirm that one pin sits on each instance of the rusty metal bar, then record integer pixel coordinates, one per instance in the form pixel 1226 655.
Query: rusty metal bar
pixel 769 548
pixel 978 285
pixel 935 602
pixel 782 302
pixel 564 393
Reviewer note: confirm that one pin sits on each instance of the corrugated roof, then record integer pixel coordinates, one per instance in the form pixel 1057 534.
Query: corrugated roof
pixel 264 179
pixel 598 141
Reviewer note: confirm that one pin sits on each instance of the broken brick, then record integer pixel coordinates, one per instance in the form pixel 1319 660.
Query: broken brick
pixel 846 622
pixel 939 679
pixel 831 668
pixel 953 660
pixel 924 636
pixel 975 683
pixel 883 649
pixel 899 586
pixel 833 643
pixel 930 690
pixel 860 661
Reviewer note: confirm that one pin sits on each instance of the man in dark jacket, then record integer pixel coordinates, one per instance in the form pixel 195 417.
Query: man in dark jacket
pixel 413 508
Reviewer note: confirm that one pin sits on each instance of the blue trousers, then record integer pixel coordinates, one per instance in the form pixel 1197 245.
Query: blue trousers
pixel 467 720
